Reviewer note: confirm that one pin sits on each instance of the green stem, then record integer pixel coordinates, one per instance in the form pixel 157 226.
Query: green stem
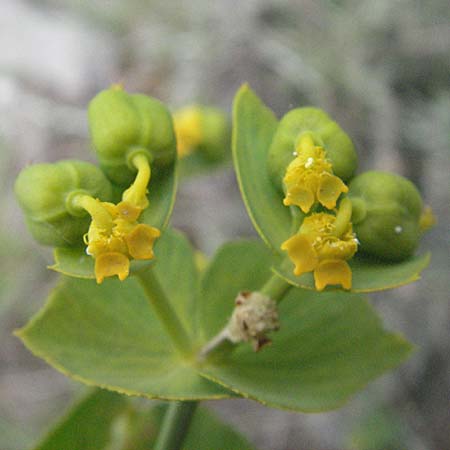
pixel 343 217
pixel 163 309
pixel 275 288
pixel 175 425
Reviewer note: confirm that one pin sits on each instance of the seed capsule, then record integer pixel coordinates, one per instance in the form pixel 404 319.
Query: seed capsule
pixel 122 124
pixel 44 191
pixel 386 215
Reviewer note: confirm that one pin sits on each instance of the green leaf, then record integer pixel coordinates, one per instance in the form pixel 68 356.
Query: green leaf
pixel 103 420
pixel 330 345
pixel 107 335
pixel 87 426
pixel 253 128
pixel 206 432
pixel 237 266
pixel 73 261
pixel 368 275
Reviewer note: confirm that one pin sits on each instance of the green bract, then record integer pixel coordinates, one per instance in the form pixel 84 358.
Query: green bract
pixel 325 133
pixel 314 363
pixel 43 190
pixel 121 124
pixel 387 210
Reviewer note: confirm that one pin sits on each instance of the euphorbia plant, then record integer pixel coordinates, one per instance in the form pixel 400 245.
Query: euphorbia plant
pixel 135 314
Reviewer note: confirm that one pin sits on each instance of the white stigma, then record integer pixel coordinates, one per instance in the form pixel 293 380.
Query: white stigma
pixel 309 162
pixel 294 153
pixel 398 229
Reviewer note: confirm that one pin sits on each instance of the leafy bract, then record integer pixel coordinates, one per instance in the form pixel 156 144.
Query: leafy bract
pixel 330 344
pixel 87 426
pixel 368 275
pixel 107 335
pixel 253 128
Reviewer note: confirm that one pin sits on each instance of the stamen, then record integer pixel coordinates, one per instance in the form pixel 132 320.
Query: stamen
pixel 309 162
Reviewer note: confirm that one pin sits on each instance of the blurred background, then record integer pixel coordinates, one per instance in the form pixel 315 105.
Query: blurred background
pixel 380 68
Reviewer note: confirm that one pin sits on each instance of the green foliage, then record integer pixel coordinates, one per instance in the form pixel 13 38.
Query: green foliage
pixel 369 275
pixel 254 130
pixel 330 345
pixel 254 127
pixel 206 432
pixel 105 420
pixel 87 426
pixel 107 335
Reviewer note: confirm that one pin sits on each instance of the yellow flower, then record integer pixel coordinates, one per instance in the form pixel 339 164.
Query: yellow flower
pixel 122 239
pixel 188 130
pixel 427 219
pixel 309 178
pixel 115 236
pixel 323 244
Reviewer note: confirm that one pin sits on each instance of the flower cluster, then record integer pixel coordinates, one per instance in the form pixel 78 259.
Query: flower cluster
pixel 115 236
pixel 309 178
pixel 324 241
pixel 72 202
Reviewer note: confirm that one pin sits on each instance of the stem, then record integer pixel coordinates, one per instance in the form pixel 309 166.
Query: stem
pixel 275 288
pixel 163 309
pixel 136 194
pixel 343 217
pixel 175 425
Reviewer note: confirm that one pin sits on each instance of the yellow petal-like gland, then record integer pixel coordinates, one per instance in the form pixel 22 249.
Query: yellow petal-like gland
pixel 427 219
pixel 309 178
pixel 136 194
pixel 316 247
pixel 332 272
pixel 115 237
pixel 110 264
pixel 127 211
pixel 140 241
pixel 330 188
pixel 188 130
pixel 301 252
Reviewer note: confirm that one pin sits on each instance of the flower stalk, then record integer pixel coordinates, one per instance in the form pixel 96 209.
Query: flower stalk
pixel 164 310
pixel 175 425
pixel 254 315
